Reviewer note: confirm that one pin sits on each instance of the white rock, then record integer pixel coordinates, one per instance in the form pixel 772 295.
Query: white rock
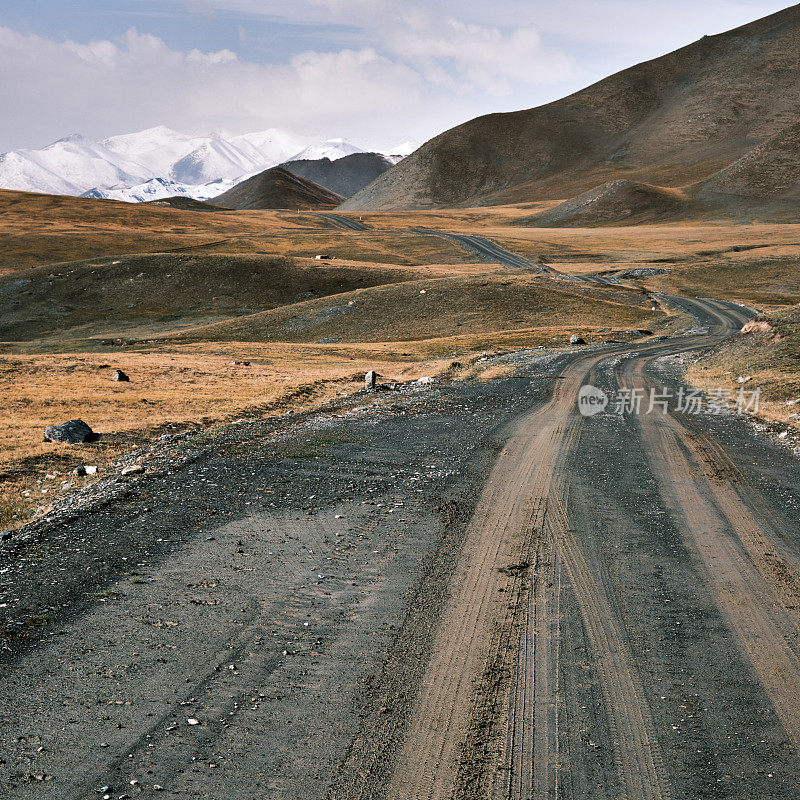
pixel 133 469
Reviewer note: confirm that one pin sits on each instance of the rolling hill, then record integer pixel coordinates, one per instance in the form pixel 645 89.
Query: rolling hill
pixel 345 176
pixel 671 122
pixel 277 188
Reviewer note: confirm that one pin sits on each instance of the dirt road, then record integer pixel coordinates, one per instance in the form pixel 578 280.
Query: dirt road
pixel 468 590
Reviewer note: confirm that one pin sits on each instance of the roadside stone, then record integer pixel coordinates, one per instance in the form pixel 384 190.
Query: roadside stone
pixel 575 339
pixel 84 469
pixel 757 326
pixel 370 379
pixel 76 431
pixel 132 469
pixel 120 376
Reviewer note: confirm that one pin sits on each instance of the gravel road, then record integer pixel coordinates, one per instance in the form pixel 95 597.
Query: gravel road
pixel 459 590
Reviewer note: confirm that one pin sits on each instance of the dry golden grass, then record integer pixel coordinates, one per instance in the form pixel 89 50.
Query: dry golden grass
pixel 710 378
pixel 770 358
pixel 167 391
pixel 44 229
pixel 273 312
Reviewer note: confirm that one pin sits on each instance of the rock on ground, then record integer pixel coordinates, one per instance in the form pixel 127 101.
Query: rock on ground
pixel 76 431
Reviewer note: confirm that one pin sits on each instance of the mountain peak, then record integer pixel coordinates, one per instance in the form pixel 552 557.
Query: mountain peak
pixel 278 188
pixel 72 138
pixel 332 149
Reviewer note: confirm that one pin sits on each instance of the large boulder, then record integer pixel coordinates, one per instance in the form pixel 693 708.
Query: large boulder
pixel 76 431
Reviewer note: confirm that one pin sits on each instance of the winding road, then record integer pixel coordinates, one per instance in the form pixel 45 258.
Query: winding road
pixel 472 592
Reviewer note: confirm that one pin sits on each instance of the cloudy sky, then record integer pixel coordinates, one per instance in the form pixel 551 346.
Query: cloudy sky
pixel 376 72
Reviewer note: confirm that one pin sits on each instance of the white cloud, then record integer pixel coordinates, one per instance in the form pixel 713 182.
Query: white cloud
pixel 424 73
pixel 468 56
pixel 108 87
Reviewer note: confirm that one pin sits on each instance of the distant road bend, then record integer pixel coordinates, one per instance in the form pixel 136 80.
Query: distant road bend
pixel 487 250
pixel 345 223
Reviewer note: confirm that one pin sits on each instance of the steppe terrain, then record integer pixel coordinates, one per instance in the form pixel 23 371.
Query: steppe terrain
pixel 427 591
pixel 268 578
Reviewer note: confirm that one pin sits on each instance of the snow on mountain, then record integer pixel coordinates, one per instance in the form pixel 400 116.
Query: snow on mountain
pixel 332 149
pixel 159 161
pixel 158 148
pixel 76 165
pixel 187 159
pixel 213 159
pixel 402 150
pixel 159 188
pixel 271 146
pixel 67 166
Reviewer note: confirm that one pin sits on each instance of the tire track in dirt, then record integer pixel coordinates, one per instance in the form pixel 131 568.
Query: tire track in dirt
pixel 756 591
pixel 533 744
pixel 636 750
pixel 210 689
pixel 521 517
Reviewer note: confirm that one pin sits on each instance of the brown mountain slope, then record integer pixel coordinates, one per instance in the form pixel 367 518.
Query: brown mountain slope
pixel 345 176
pixel 764 184
pixel 671 121
pixel 768 172
pixel 277 188
pixel 616 202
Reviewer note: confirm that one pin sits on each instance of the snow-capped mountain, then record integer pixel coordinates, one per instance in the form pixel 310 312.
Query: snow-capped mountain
pixel 271 146
pixel 198 159
pixel 400 151
pixel 332 149
pixel 150 164
pixel 66 167
pixel 159 188
pixel 75 165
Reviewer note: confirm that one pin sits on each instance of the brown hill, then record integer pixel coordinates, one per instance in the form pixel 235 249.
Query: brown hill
pixel 183 203
pixel 345 176
pixel 769 172
pixel 616 202
pixel 277 188
pixel 672 121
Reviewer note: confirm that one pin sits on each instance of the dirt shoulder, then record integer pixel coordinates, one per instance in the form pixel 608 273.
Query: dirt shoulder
pixel 187 597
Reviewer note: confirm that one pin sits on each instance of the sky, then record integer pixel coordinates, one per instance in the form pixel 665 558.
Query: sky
pixel 375 72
